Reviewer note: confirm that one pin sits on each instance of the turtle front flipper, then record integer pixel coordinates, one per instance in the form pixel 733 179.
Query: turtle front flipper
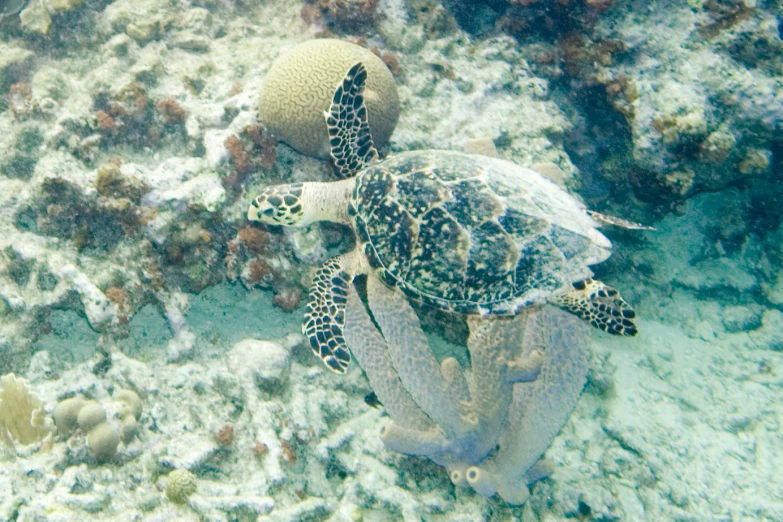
pixel 600 305
pixel 352 148
pixel 324 318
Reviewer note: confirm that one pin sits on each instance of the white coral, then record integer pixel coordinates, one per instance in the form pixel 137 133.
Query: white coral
pixel 22 416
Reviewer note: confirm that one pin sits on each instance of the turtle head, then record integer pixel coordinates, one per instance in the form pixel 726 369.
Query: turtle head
pixel 299 204
pixel 279 205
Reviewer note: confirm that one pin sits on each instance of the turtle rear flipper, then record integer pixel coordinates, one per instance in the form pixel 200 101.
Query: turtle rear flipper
pixel 606 219
pixel 352 148
pixel 600 305
pixel 324 318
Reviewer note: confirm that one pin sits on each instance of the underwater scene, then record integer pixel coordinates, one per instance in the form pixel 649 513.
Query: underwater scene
pixel 391 260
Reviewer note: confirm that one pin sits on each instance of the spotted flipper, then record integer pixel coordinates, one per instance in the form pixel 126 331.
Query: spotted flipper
pixel 600 305
pixel 325 314
pixel 350 140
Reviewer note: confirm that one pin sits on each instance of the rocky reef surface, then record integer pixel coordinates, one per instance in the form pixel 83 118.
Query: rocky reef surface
pixel 131 147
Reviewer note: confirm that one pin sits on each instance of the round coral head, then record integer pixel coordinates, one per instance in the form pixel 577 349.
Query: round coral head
pixel 301 83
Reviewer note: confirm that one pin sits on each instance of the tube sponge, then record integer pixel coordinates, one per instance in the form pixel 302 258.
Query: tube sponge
pixel 488 427
pixel 540 408
pixel 488 484
pixel 481 481
pixel 371 351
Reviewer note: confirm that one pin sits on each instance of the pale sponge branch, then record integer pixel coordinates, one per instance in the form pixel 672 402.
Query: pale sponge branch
pixel 489 426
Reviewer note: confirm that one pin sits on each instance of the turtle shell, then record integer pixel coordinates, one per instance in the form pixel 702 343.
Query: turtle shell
pixel 472 234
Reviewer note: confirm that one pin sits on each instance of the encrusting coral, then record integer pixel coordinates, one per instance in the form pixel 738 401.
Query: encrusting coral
pixel 102 438
pixel 252 150
pixel 129 411
pixel 489 428
pixel 91 418
pixel 349 15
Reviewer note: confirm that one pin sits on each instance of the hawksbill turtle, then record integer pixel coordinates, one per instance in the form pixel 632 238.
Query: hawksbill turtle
pixel 460 232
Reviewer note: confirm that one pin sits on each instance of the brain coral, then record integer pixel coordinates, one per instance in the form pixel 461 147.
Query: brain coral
pixel 181 484
pixel 300 85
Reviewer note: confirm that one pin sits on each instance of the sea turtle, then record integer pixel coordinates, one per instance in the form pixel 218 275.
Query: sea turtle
pixel 461 232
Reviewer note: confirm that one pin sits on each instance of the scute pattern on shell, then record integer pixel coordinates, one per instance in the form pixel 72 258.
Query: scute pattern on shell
pixel 471 234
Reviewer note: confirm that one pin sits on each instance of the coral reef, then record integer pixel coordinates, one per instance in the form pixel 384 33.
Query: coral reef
pixel 254 257
pixel 129 409
pixel 490 429
pixel 299 88
pixel 126 262
pixel 121 174
pixel 103 440
pixel 278 398
pixel 239 157
pixel 686 128
pixel 524 18
pixel 66 414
